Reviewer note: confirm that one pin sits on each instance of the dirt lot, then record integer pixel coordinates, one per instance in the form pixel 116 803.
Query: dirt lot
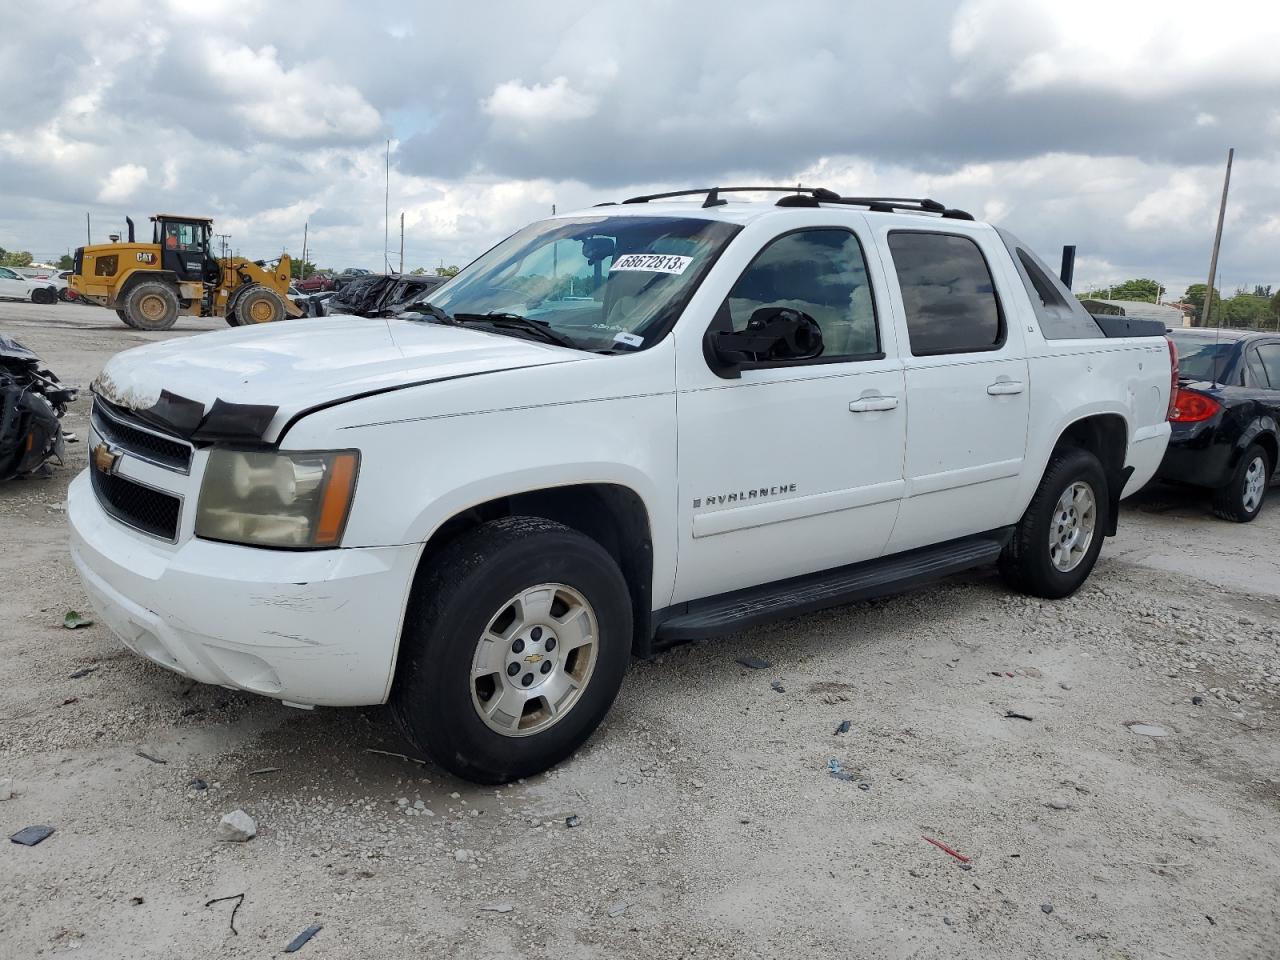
pixel 710 826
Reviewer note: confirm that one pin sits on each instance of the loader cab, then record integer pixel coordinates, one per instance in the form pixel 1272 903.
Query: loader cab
pixel 184 247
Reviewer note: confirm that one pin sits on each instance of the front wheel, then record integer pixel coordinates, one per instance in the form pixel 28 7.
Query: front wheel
pixel 152 305
pixel 1057 541
pixel 514 648
pixel 1241 499
pixel 258 304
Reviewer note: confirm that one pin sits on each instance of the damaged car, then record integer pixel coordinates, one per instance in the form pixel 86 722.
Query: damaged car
pixel 620 428
pixel 32 403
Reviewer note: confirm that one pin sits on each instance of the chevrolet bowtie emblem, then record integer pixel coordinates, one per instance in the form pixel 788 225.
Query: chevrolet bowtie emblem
pixel 533 658
pixel 105 459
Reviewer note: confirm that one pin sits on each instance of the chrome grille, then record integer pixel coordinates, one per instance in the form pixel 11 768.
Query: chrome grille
pixel 121 430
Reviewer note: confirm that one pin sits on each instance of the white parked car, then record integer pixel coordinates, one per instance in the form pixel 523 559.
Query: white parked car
pixel 15 286
pixel 616 429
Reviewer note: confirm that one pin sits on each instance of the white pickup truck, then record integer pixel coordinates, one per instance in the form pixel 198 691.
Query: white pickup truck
pixel 651 421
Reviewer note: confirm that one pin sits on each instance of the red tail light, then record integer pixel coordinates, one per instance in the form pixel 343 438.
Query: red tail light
pixel 1192 407
pixel 1173 379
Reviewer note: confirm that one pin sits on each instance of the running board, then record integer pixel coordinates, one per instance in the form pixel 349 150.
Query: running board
pixel 860 581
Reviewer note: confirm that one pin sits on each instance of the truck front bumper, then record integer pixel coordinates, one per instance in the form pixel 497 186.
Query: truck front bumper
pixel 308 627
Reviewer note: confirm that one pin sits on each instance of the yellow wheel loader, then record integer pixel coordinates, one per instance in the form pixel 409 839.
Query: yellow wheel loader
pixel 150 285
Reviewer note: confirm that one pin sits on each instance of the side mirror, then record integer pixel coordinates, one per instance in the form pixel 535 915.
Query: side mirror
pixel 773 334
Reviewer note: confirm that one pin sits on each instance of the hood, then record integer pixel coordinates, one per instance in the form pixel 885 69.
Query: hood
pixel 248 382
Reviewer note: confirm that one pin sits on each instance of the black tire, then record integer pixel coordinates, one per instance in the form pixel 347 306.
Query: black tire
pixel 44 295
pixel 64 295
pixel 152 305
pixel 1231 502
pixel 124 318
pixel 455 600
pixel 1027 563
pixel 258 304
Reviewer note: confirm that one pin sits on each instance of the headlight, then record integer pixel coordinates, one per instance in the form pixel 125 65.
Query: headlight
pixel 277 498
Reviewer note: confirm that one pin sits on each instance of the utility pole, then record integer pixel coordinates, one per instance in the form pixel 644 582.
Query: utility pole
pixel 88 229
pixel 303 269
pixel 1217 242
pixel 402 241
pixel 386 214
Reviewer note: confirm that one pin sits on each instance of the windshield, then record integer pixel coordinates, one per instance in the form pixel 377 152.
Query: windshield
pixel 600 282
pixel 1200 358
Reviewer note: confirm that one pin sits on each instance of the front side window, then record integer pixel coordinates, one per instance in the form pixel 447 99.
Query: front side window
pixel 819 272
pixel 947 292
pixel 602 283
pixel 8 274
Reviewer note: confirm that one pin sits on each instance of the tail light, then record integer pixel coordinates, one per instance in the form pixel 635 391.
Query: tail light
pixel 1173 379
pixel 1193 407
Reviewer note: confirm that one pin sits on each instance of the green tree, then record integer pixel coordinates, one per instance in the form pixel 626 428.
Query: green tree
pixel 16 258
pixel 66 262
pixel 1195 297
pixel 301 269
pixel 446 271
pixel 1246 310
pixel 418 272
pixel 1275 304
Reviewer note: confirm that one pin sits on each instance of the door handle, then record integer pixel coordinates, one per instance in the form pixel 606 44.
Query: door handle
pixel 1004 388
pixel 873 404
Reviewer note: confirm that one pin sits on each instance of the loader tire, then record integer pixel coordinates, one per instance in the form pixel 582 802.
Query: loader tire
pixel 259 304
pixel 152 305
pixel 124 318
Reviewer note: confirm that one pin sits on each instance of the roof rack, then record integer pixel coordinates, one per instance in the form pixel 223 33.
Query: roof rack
pixel 799 196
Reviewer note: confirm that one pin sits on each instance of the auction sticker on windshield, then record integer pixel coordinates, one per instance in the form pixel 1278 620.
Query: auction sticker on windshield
pixel 652 262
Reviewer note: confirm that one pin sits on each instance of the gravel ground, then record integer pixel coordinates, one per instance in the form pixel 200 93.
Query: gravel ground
pixel 708 824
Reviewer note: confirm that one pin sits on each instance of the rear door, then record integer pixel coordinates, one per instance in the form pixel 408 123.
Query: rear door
pixel 966 381
pixel 791 467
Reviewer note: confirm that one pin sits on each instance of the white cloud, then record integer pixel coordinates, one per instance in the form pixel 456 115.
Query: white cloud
pixel 540 103
pixel 1179 203
pixel 1050 45
pixel 122 183
pixel 292 104
pixel 1206 120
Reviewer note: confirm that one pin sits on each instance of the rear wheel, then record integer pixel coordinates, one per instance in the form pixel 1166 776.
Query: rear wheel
pixel 1057 541
pixel 514 648
pixel 152 305
pixel 259 304
pixel 1241 499
pixel 44 295
pixel 124 318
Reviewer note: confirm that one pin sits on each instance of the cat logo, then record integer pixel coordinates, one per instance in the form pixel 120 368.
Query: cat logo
pixel 146 257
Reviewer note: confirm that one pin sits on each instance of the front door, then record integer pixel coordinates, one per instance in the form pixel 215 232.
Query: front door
pixel 12 285
pixel 792 466
pixel 184 247
pixel 966 376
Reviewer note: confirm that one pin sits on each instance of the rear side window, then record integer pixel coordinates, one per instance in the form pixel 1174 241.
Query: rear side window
pixel 1269 354
pixel 948 293
pixel 1257 375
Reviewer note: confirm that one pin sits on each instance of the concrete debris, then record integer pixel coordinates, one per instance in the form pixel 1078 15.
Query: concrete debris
pixel 237 827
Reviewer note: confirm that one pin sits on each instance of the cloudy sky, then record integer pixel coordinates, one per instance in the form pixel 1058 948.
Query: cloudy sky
pixel 1094 122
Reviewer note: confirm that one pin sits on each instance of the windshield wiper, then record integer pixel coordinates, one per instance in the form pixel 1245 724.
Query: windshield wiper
pixel 434 312
pixel 514 320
